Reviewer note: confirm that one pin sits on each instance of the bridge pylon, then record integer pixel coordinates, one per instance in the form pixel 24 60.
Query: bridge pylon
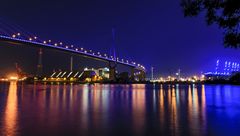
pixel 39 65
pixel 113 65
pixel 112 71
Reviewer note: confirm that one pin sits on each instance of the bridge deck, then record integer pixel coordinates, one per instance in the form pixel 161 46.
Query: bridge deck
pixel 70 50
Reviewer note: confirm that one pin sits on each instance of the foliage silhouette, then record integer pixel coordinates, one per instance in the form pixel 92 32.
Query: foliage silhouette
pixel 224 13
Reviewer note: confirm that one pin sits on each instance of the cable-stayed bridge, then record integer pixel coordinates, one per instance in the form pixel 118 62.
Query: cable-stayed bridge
pixel 20 38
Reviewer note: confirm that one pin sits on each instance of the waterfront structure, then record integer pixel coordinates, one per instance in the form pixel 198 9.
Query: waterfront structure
pixel 85 75
pixel 103 72
pixel 223 70
pixel 112 60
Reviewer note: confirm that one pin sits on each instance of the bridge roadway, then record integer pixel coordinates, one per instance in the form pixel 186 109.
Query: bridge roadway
pixel 71 50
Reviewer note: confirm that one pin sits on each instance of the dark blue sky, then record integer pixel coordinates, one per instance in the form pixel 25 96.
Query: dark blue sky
pixel 151 32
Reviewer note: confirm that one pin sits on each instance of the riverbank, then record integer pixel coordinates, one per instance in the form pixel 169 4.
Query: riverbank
pixel 214 82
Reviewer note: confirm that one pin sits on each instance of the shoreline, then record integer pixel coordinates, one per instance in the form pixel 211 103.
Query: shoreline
pixel 126 83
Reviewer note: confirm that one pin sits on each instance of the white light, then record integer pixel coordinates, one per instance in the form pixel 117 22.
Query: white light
pixel 44 42
pixel 18 34
pixel 30 39
pixel 14 36
pixel 35 37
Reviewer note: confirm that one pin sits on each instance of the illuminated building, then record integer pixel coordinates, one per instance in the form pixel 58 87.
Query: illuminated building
pixel 223 69
pixel 85 75
pixel 103 72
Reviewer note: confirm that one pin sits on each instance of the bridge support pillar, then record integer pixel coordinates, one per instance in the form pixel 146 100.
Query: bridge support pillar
pixel 40 66
pixel 112 71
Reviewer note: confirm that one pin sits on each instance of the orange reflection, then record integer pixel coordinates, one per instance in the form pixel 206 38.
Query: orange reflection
pixel 203 106
pixel 196 113
pixel 11 110
pixel 173 110
pixel 138 107
pixel 162 108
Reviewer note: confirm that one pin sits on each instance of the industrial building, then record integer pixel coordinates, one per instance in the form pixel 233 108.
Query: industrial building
pixel 223 70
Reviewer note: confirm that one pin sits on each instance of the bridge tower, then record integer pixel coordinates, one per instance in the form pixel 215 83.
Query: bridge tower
pixel 40 66
pixel 113 65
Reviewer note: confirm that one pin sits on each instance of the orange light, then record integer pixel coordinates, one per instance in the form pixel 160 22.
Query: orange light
pixel 13 78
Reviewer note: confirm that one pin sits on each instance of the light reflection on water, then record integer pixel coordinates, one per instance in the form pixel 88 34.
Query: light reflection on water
pixel 119 109
pixel 11 111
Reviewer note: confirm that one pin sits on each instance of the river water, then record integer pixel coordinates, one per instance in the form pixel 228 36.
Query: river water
pixel 119 110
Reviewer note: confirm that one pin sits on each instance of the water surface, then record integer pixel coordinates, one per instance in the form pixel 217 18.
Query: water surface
pixel 41 110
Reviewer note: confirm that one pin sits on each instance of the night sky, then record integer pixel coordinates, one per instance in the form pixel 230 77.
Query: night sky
pixel 150 32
